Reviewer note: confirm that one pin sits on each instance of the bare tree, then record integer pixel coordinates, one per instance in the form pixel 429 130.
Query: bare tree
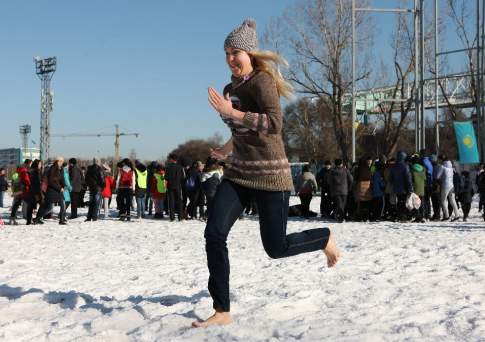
pixel 317 35
pixel 394 114
pixel 308 131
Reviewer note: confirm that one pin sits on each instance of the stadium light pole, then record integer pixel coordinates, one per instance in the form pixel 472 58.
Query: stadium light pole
pixel 45 68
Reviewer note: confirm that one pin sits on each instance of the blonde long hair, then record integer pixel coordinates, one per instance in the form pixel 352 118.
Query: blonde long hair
pixel 270 62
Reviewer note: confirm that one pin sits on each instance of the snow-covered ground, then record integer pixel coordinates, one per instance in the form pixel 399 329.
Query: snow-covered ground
pixel 146 281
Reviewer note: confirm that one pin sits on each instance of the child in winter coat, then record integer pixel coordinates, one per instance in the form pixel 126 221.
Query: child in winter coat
pixel 107 193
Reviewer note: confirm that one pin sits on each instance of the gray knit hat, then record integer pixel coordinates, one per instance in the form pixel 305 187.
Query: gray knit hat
pixel 243 37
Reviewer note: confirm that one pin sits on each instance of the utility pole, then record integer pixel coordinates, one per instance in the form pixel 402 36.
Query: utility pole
pixel 45 68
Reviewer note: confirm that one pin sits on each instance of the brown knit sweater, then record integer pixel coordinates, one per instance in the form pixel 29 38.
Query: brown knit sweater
pixel 259 160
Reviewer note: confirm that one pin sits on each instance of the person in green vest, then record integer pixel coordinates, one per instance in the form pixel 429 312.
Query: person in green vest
pixel 158 190
pixel 141 174
pixel 418 174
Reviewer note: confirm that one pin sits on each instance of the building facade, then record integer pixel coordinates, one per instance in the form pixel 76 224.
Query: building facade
pixel 15 156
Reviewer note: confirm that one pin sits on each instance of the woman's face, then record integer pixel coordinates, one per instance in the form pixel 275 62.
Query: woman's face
pixel 238 61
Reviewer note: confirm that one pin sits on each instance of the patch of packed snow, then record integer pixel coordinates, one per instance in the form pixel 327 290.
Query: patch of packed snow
pixel 147 281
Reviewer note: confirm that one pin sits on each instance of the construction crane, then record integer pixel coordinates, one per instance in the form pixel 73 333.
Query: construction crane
pixel 117 136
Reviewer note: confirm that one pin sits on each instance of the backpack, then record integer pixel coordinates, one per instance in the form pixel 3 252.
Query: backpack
pixel 126 178
pixel 160 179
pixel 306 188
pixel 190 183
pixel 17 186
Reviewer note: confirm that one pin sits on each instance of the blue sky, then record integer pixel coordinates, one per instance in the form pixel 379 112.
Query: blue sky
pixel 144 65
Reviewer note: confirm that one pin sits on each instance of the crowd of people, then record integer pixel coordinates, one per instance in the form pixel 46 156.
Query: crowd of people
pixel 156 189
pixel 418 187
pixel 370 190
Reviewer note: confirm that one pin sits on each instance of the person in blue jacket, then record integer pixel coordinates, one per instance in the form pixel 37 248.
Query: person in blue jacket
pixel 67 185
pixel 401 183
pixel 378 186
pixel 428 187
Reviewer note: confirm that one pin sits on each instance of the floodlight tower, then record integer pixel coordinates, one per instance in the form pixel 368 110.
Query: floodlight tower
pixel 24 133
pixel 45 68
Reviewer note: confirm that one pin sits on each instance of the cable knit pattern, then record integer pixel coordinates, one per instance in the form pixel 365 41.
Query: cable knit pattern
pixel 259 160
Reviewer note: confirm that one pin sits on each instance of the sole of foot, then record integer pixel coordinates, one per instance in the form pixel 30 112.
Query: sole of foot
pixel 331 251
pixel 218 318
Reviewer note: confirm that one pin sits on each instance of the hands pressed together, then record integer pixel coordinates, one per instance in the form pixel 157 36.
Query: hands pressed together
pixel 221 104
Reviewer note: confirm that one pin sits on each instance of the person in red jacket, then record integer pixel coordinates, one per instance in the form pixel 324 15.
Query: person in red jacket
pixel 125 187
pixel 24 187
pixel 109 185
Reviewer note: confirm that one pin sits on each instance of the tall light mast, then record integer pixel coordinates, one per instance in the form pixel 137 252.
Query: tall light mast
pixel 45 68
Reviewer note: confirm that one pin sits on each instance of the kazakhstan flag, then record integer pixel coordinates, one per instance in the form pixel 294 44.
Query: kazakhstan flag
pixel 467 142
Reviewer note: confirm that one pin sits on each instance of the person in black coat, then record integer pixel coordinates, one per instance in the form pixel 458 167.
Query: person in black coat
pixel 193 186
pixel 95 183
pixel 325 196
pixel 55 192
pixel 340 181
pixel 466 194
pixel 77 180
pixel 35 195
pixel 175 176
pixel 152 168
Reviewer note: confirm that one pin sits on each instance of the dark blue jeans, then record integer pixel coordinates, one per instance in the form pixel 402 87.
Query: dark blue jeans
pixel 228 204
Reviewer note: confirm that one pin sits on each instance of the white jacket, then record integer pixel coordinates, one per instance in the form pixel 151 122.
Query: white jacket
pixel 446 178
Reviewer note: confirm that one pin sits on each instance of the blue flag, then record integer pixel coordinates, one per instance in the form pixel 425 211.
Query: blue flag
pixel 467 142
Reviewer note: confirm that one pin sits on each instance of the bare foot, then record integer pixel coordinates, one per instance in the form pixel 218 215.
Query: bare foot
pixel 218 318
pixel 331 251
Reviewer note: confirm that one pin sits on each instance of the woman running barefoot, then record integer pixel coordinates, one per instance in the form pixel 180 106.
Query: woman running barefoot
pixel 259 168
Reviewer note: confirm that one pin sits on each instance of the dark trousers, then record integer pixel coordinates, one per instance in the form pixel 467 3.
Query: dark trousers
pixel 229 203
pixel 125 196
pixel 31 205
pixel 481 201
pixel 420 213
pixel 51 197
pixel 402 211
pixel 75 196
pixel 436 202
pixel 340 203
pixel 466 209
pixel 195 202
pixel 174 203
pixel 148 202
pixel 17 202
pixel 305 200
pixel 93 209
pixel 325 204
pixel 378 208
pixel 427 201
